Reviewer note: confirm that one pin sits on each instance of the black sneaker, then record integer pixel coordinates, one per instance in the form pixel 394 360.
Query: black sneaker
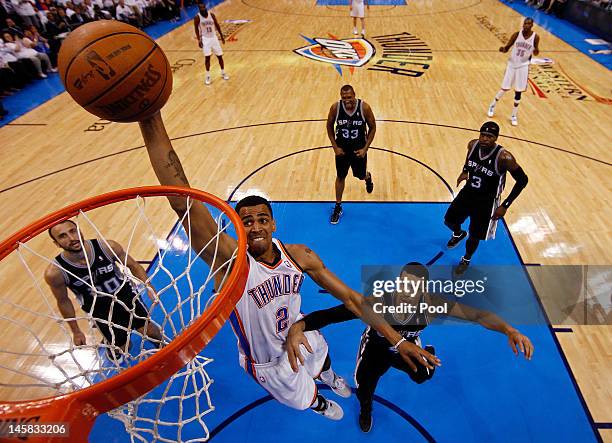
pixel 462 266
pixel 335 217
pixel 365 420
pixel 456 239
pixel 369 184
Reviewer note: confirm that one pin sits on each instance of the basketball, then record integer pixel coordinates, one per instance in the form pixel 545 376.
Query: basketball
pixel 115 71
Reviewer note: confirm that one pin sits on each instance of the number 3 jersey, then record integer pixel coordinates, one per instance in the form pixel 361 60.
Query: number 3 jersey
pixel 269 305
pixel 109 282
pixel 485 180
pixel 351 129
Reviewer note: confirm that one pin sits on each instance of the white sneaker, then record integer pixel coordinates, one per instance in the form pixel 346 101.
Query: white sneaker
pixel 207 80
pixel 53 70
pixel 514 120
pixel 333 411
pixel 224 76
pixel 363 32
pixel 42 76
pixel 491 111
pixel 341 387
pixel 354 31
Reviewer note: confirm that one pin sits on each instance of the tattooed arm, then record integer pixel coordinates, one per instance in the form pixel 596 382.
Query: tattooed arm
pixel 169 171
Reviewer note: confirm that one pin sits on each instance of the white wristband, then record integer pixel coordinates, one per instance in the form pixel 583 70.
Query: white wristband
pixel 397 345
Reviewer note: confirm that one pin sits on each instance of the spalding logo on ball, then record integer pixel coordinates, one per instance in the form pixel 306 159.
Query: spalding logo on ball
pixel 115 71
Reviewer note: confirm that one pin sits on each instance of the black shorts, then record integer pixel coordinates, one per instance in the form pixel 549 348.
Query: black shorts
pixel 479 210
pixel 359 165
pixel 117 326
pixel 374 360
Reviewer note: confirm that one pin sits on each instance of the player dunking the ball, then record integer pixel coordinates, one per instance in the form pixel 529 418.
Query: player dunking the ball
pixel 524 44
pixel 205 24
pixel 271 300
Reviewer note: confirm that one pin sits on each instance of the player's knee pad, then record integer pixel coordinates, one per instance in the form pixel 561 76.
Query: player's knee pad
pixel 517 95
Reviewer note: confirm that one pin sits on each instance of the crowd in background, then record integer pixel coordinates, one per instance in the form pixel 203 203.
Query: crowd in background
pixel 32 31
pixel 556 6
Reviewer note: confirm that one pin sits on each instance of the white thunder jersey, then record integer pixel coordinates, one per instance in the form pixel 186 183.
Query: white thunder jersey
pixel 207 26
pixel 269 305
pixel 522 50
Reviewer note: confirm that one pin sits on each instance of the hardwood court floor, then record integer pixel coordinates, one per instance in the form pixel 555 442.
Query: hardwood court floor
pixel 276 102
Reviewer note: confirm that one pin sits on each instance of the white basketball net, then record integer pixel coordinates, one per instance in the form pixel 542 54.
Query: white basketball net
pixel 38 357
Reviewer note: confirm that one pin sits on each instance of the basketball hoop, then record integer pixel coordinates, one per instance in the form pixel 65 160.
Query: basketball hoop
pixel 106 390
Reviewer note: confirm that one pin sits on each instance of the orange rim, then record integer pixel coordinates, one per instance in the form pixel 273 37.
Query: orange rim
pixel 136 381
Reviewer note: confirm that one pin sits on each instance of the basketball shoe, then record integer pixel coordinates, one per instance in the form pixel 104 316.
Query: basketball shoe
pixel 456 239
pixel 335 217
pixel 332 410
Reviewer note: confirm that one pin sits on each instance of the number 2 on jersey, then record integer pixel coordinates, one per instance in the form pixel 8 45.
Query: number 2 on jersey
pixel 282 319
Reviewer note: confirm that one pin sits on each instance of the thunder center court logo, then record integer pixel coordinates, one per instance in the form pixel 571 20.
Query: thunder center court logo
pixel 401 53
pixel 351 52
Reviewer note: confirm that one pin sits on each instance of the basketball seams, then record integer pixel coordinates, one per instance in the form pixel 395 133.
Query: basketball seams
pixel 123 77
pixel 73 58
pixel 161 91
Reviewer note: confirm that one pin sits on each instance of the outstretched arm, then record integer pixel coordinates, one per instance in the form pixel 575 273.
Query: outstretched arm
pixel 169 171
pixel 488 320
pixel 55 280
pixel 356 303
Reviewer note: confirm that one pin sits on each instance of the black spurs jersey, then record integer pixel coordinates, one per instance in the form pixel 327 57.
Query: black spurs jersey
pixel 107 279
pixel 408 326
pixel 485 180
pixel 351 129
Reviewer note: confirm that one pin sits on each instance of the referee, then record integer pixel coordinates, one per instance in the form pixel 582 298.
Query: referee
pixel 375 357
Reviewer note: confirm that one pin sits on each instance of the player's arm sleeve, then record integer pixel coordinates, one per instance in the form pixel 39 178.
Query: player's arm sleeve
pixel 521 181
pixel 319 319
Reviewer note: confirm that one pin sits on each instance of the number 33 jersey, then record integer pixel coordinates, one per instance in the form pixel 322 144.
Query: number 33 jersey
pixel 351 129
pixel 269 305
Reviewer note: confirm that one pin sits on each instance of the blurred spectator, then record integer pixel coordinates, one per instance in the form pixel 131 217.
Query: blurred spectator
pixel 22 71
pixel 25 10
pixel 12 28
pixel 69 10
pixel 21 51
pixel 125 14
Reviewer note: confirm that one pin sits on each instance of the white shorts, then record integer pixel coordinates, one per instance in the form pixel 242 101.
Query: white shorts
pixel 515 78
pixel 210 46
pixel 296 390
pixel 358 10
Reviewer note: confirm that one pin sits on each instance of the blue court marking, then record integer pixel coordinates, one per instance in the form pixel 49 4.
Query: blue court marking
pixel 568 32
pixel 370 2
pixel 39 92
pixel 481 393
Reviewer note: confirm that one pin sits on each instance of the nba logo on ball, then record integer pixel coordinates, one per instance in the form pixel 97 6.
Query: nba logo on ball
pixel 115 71
pixel 354 52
